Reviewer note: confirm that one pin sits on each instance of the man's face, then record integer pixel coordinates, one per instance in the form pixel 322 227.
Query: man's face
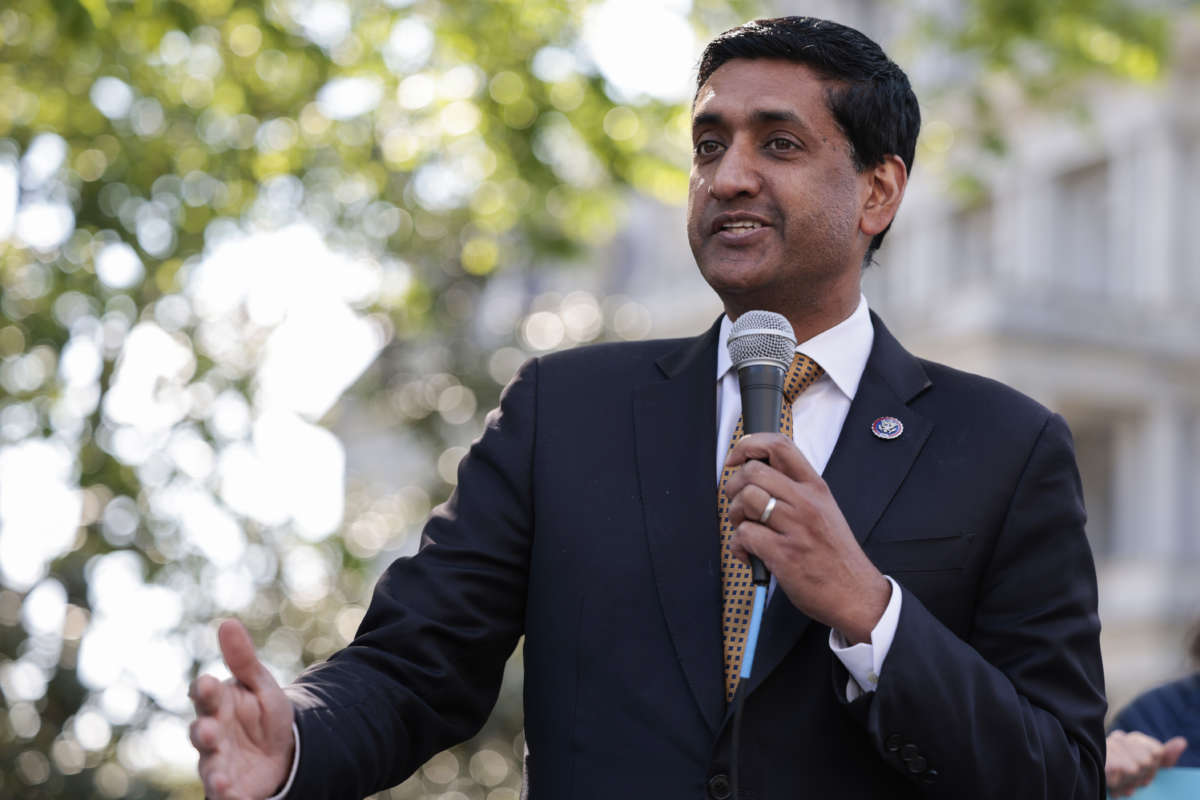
pixel 774 202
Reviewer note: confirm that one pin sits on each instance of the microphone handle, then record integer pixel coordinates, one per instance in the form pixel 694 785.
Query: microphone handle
pixel 762 397
pixel 762 401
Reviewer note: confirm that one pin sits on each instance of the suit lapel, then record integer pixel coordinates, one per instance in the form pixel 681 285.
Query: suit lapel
pixel 863 473
pixel 676 471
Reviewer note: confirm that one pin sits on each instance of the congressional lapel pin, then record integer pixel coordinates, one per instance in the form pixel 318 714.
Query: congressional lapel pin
pixel 887 427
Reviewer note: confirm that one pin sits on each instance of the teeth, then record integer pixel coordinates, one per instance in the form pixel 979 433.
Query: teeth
pixel 733 226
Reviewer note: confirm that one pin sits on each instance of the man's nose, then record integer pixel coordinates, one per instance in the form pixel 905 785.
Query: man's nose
pixel 736 173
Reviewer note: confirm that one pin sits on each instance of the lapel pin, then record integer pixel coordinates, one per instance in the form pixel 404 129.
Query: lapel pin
pixel 887 427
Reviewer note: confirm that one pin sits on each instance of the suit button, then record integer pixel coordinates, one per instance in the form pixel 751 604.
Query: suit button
pixel 893 742
pixel 930 776
pixel 719 788
pixel 917 765
pixel 909 752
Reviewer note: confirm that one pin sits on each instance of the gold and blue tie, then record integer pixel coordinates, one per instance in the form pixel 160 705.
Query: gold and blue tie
pixel 736 586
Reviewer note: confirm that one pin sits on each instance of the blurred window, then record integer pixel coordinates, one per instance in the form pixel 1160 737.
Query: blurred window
pixel 1081 232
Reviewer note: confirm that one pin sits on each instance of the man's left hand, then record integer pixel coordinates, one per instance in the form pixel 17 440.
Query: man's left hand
pixel 806 543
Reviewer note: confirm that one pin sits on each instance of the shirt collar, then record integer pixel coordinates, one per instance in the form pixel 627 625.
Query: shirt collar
pixel 842 350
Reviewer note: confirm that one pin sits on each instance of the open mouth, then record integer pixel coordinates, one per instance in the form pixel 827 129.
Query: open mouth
pixel 738 223
pixel 737 228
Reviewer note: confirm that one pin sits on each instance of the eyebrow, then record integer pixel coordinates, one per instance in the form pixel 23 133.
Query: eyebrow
pixel 762 115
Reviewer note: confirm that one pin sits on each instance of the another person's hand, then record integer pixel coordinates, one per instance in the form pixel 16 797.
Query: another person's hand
pixel 243 726
pixel 1134 758
pixel 807 544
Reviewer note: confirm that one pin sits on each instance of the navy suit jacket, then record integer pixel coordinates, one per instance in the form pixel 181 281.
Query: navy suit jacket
pixel 585 519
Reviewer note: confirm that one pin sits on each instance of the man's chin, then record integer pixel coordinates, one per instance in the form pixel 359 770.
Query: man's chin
pixel 736 277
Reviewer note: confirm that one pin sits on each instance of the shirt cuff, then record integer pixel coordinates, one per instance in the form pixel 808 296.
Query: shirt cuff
pixel 287 787
pixel 864 661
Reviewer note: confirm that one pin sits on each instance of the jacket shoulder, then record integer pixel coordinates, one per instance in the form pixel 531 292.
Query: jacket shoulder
pixel 1156 711
pixel 626 358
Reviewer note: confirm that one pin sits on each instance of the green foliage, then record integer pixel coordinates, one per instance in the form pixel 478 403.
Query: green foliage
pixel 1004 57
pixel 1049 44
pixel 185 121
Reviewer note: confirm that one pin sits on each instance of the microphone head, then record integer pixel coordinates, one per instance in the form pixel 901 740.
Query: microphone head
pixel 761 337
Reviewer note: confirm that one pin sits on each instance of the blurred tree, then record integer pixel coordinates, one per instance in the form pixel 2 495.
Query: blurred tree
pixel 422 147
pixel 213 215
pixel 995 60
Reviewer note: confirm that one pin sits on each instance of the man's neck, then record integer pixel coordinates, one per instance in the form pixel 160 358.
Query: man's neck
pixel 807 320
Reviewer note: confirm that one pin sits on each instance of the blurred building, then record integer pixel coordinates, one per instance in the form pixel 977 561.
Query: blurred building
pixel 1071 277
pixel 1075 281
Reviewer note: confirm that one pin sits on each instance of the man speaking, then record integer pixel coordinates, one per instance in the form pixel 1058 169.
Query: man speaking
pixel 931 629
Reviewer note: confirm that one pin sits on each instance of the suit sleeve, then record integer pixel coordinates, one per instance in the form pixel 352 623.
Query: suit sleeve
pixel 425 667
pixel 1017 708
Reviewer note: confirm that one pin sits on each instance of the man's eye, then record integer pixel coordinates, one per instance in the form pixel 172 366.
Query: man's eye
pixel 781 144
pixel 707 147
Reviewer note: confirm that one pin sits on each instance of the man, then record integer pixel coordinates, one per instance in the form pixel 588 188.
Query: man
pixel 932 631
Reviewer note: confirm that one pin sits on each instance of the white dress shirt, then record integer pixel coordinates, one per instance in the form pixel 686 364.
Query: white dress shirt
pixel 817 418
pixel 817 414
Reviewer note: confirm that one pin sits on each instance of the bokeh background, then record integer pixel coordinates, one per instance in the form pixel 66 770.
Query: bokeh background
pixel 265 265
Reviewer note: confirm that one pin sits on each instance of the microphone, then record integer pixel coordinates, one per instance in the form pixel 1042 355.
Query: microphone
pixel 761 347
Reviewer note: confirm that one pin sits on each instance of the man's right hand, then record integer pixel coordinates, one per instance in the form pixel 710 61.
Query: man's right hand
pixel 243 726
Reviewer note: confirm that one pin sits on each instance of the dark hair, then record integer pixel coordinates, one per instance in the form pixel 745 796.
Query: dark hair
pixel 1194 645
pixel 871 101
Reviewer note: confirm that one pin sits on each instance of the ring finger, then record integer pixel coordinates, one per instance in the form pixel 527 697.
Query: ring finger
pixel 751 504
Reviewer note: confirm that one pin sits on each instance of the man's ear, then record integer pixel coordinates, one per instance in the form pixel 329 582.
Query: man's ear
pixel 885 188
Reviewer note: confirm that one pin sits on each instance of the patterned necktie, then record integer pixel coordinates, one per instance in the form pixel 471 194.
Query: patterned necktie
pixel 736 585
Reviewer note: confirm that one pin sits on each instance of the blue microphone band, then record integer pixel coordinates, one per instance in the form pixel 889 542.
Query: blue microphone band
pixel 760 600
